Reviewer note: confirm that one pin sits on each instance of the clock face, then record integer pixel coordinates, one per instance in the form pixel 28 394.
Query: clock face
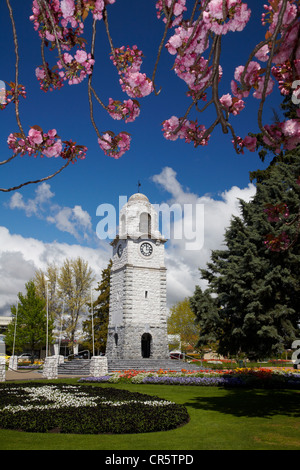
pixel 146 249
pixel 120 251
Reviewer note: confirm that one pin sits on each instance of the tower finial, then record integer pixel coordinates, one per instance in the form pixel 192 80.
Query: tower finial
pixel 139 185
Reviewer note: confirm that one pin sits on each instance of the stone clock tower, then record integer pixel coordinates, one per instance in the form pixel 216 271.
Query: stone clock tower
pixel 138 315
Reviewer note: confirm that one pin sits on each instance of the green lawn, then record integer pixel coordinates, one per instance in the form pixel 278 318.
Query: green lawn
pixel 220 419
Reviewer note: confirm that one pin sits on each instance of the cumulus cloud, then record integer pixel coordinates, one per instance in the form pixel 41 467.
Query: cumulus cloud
pixel 197 229
pixel 74 221
pixel 202 223
pixel 20 257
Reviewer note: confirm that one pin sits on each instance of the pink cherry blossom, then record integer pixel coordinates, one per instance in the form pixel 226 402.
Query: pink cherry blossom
pixel 250 143
pixel 54 150
pixel 67 8
pixel 35 137
pixel 190 131
pixel 263 53
pixel 235 21
pixel 114 145
pixel 81 56
pixel 129 110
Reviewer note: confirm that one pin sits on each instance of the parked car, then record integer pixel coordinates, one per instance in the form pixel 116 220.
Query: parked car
pixel 24 357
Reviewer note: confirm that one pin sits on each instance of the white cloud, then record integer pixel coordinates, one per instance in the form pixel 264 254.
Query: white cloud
pixel 183 264
pixel 74 221
pixel 20 257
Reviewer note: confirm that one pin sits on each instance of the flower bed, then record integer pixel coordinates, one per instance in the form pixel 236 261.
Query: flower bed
pixel 40 407
pixel 240 377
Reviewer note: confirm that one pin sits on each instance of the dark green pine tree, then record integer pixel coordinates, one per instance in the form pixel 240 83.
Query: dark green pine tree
pixel 257 290
pixel 100 315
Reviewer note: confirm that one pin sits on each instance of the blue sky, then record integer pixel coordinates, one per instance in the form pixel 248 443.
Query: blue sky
pixel 63 212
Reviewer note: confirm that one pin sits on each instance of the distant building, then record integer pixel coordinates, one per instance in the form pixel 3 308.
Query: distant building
pixel 4 321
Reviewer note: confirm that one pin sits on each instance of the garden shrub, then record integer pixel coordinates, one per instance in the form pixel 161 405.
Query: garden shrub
pixel 41 407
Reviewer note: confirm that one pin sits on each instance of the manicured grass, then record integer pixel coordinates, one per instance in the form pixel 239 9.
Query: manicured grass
pixel 221 419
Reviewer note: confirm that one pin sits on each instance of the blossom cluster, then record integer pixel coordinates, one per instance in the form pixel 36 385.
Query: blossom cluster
pixel 128 62
pixel 114 145
pixel 276 212
pixel 129 110
pixel 44 144
pixel 52 23
pixel 8 95
pixel 222 18
pixel 191 39
pixel 277 242
pixel 164 11
pixel 61 24
pixel 190 131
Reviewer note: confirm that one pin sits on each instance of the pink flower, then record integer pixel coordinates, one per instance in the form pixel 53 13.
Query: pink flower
pixel 35 136
pixel 53 150
pixel 114 145
pixel 262 53
pixel 137 85
pixel 81 56
pixel 67 8
pixel 99 6
pixel 67 58
pixel 40 73
pixel 237 17
pixel 226 100
pixel 291 127
pixel 128 110
pixel 52 133
pixel 250 143
pixel 169 126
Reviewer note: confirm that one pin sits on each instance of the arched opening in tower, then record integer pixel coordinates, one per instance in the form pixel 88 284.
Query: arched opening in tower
pixel 146 345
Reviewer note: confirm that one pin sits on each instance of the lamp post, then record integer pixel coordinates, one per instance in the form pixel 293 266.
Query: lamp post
pixel 92 307
pixel 47 293
pixel 15 330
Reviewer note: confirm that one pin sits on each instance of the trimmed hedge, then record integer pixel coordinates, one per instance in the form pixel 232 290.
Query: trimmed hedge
pixel 24 407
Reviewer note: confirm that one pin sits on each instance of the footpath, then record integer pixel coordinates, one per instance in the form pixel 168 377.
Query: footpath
pixel 29 375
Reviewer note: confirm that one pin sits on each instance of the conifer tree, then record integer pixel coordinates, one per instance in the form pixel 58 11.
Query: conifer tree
pixel 258 290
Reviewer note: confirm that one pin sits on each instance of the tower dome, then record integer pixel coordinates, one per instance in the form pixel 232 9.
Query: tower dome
pixel 137 197
pixel 138 218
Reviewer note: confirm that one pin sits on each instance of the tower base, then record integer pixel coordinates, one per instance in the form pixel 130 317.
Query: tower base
pixel 137 342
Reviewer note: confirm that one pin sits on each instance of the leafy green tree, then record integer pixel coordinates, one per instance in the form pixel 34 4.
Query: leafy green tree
pixel 258 290
pixel 181 321
pixel 46 284
pixel 74 286
pixel 31 325
pixel 68 292
pixel 100 315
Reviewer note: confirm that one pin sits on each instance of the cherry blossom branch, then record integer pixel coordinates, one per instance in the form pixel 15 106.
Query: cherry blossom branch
pixel 90 89
pixel 40 180
pixel 162 42
pixel 16 97
pixel 268 71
